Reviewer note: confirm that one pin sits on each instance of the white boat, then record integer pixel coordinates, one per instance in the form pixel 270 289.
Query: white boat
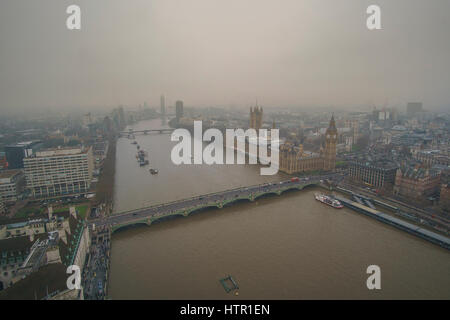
pixel 328 200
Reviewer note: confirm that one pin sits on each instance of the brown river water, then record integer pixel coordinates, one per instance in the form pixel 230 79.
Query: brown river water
pixel 278 247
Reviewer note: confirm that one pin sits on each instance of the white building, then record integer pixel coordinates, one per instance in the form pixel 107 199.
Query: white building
pixel 58 172
pixel 12 183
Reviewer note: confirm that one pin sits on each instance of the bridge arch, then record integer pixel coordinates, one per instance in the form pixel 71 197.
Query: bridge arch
pixel 167 217
pixel 121 227
pixel 292 188
pixel 264 194
pixel 237 200
pixel 309 185
pixel 206 207
pixel 228 202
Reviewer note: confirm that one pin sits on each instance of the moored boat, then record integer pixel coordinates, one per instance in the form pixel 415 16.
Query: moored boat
pixel 328 200
pixel 141 157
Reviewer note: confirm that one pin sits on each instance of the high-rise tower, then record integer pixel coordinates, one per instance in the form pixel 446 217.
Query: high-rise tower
pixel 179 110
pixel 330 146
pixel 163 105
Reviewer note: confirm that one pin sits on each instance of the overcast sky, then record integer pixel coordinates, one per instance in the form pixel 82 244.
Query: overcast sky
pixel 224 52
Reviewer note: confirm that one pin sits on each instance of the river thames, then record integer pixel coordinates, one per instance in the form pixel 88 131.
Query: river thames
pixel 278 247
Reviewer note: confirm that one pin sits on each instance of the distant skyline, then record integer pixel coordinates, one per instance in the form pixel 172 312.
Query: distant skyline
pixel 224 53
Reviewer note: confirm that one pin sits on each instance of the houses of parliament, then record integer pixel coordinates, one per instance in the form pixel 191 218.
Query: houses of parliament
pixel 293 158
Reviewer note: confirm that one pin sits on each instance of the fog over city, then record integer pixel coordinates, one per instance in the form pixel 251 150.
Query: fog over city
pixel 223 53
pixel 226 157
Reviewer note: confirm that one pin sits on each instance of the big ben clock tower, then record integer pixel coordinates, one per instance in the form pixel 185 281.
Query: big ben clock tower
pixel 330 146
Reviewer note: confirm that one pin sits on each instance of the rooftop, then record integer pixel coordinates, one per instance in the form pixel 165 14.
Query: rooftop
pixel 47 279
pixel 59 152
pixel 418 173
pixel 381 163
pixel 9 173
pixel 24 144
pixel 15 244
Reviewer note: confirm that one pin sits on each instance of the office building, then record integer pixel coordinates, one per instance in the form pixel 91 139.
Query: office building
pixel 87 119
pixel 179 110
pixel 58 172
pixel 353 124
pixel 163 105
pixel 413 108
pixel 3 161
pixel 17 152
pixel 12 184
pixel 376 173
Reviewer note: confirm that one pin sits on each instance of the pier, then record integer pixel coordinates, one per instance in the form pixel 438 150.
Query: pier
pixel 400 224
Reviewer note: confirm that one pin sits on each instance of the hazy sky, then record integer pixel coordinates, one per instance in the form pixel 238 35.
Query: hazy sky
pixel 224 52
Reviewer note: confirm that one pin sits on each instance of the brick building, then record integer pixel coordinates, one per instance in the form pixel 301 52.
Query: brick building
pixel 444 199
pixel 417 183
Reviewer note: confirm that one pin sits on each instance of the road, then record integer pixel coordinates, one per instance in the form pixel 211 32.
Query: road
pixel 203 201
pixel 95 272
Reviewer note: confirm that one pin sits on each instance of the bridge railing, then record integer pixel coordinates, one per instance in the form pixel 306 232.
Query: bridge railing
pixel 147 130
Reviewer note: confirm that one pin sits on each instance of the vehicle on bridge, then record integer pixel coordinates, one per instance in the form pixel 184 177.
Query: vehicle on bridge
pixel 184 207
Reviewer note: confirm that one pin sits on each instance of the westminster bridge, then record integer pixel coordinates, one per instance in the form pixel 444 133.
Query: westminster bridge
pixel 184 207
pixel 132 132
